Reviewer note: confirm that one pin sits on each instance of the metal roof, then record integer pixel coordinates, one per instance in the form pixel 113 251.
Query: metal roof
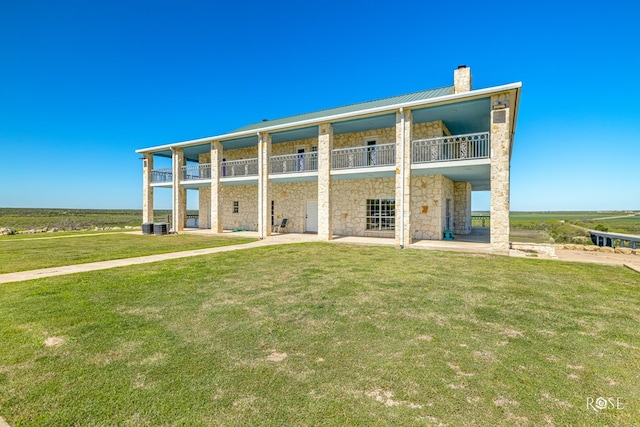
pixel 415 96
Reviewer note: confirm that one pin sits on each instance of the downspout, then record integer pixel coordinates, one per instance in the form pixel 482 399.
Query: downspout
pixel 402 177
pixel 260 189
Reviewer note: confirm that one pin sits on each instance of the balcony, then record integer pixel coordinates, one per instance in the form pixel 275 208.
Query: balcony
pixel 162 176
pixel 451 148
pixel 294 163
pixel 369 156
pixel 239 168
pixel 196 172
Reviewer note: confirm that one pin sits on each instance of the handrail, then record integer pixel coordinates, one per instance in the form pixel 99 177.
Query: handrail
pixel 162 175
pixel 196 172
pixel 450 148
pixel 243 167
pixel 294 163
pixel 365 156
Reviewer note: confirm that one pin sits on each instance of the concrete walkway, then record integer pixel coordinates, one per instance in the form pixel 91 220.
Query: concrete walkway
pixel 473 243
pixel 103 265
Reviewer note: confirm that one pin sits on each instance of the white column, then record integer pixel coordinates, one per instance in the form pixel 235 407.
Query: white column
pixel 179 203
pixel 325 213
pixel 147 189
pixel 500 173
pixel 216 187
pixel 264 193
pixel 403 178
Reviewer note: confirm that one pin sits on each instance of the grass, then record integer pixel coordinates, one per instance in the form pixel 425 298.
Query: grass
pixel 20 254
pixel 323 334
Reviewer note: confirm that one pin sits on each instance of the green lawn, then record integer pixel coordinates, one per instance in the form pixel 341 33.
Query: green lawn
pixel 20 254
pixel 324 334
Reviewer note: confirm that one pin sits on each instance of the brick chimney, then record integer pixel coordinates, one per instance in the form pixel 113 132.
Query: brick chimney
pixel 462 79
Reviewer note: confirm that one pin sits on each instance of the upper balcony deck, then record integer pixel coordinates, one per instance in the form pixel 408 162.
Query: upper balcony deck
pixel 432 153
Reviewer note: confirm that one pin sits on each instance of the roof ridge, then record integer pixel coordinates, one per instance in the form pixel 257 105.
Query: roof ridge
pixel 344 106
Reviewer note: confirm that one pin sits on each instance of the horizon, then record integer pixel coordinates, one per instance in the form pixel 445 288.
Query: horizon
pixel 85 85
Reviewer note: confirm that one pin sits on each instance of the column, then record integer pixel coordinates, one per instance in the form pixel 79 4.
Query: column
pixel 462 207
pixel 403 178
pixel 264 186
pixel 216 186
pixel 147 189
pixel 500 173
pixel 325 212
pixel 204 193
pixel 179 202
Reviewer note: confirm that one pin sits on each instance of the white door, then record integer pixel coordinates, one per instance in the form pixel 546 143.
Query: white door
pixel 311 217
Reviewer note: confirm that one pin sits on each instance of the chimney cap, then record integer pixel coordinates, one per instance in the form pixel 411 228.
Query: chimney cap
pixel 461 67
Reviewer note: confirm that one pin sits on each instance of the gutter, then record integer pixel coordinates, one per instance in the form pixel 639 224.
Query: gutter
pixel 339 117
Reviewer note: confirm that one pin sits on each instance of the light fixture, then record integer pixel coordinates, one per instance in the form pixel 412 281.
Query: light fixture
pixel 499 105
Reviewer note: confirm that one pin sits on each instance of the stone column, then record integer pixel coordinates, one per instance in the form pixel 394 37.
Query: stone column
pixel 216 187
pixel 147 189
pixel 179 203
pixel 500 173
pixel 403 178
pixel 462 207
pixel 264 186
pixel 204 193
pixel 325 211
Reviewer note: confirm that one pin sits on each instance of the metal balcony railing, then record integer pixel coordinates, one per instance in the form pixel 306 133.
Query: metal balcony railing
pixel 294 163
pixel 236 168
pixel 363 157
pixel 196 172
pixel 450 148
pixel 162 175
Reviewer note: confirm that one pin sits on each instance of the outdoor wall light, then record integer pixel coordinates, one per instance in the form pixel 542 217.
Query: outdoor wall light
pixel 499 105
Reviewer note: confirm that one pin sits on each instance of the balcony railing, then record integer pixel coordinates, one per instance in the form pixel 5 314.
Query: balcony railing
pixel 294 163
pixel 450 148
pixel 237 168
pixel 162 175
pixel 364 157
pixel 196 172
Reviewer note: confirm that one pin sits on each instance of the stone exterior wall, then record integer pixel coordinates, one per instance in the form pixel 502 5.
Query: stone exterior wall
pixel 241 153
pixel 500 174
pixel 349 200
pixel 428 205
pixel 358 139
pixel 462 204
pixel 289 147
pixel 290 201
pixel 430 130
pixel 247 217
pixel 204 198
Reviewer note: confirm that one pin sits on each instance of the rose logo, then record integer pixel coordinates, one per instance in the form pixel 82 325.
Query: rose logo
pixel 601 403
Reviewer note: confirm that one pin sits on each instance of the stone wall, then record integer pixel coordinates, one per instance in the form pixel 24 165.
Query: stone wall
pixel 358 139
pixel 204 198
pixel 349 200
pixel 290 201
pixel 428 205
pixel 247 197
pixel 430 130
pixel 240 153
pixel 462 204
pixel 290 147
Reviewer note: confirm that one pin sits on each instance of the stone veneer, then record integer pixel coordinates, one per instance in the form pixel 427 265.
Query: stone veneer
pixel 462 207
pixel 204 198
pixel 290 201
pixel 247 217
pixel 428 205
pixel 349 198
pixel 500 174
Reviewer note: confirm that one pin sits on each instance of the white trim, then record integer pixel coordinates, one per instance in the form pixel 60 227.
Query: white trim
pixel 340 117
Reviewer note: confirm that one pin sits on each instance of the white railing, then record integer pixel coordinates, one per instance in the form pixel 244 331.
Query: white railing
pixel 162 175
pixel 448 148
pixel 245 167
pixel 294 163
pixel 363 157
pixel 196 172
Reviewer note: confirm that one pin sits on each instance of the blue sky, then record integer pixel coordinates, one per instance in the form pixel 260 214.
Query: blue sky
pixel 83 84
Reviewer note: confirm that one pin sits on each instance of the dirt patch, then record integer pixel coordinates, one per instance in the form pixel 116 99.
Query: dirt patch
pixel 276 357
pixel 54 341
pixel 385 397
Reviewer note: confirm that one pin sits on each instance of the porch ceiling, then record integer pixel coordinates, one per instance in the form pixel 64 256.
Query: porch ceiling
pixel 479 175
pixel 460 118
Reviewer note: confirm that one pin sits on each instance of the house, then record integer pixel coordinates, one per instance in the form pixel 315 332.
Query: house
pixel 402 167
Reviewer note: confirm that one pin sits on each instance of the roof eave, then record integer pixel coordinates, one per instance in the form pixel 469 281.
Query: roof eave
pixel 338 117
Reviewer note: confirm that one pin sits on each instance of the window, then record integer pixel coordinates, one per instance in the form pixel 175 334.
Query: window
pixel 236 207
pixel 381 214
